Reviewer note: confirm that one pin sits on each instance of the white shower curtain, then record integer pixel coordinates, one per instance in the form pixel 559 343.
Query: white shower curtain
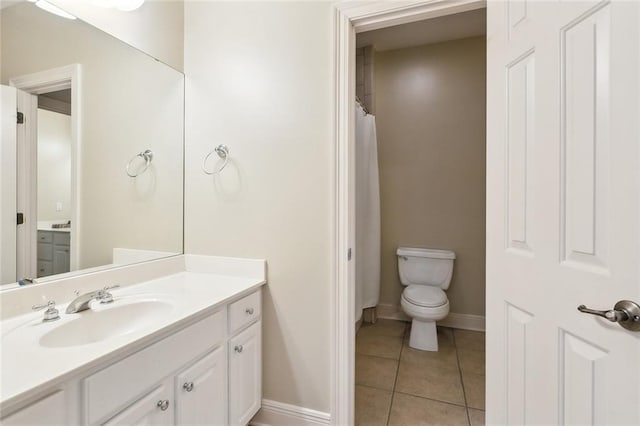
pixel 367 250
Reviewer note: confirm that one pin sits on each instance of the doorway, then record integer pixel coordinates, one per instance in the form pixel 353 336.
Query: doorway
pixel 424 84
pixel 52 90
pixel 352 20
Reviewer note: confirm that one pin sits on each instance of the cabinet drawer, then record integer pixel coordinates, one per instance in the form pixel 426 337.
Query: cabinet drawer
pixel 45 251
pixel 45 268
pixel 114 387
pixel 45 237
pixel 61 238
pixel 244 311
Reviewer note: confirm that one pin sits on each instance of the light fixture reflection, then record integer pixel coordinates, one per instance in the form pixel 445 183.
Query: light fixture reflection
pixel 124 5
pixel 45 5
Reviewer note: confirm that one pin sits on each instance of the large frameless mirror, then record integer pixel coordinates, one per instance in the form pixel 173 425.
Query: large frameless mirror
pixel 91 165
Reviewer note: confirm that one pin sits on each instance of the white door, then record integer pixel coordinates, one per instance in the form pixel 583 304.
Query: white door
pixel 27 174
pixel 563 211
pixel 201 392
pixel 8 182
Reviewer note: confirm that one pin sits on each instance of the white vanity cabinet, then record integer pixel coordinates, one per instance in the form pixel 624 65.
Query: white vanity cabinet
pixel 204 368
pixel 201 375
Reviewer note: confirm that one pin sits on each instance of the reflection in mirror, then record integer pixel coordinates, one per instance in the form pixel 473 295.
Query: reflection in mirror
pixel 95 112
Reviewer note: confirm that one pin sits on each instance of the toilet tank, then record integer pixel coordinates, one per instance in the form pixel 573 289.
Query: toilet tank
pixel 420 266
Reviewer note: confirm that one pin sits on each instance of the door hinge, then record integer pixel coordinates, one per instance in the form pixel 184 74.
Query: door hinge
pixel 349 254
pixel 20 118
pixel 20 218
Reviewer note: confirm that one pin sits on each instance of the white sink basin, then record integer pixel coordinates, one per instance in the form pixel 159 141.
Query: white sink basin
pixel 94 325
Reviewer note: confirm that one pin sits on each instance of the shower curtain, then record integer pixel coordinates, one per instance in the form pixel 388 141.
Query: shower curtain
pixel 367 247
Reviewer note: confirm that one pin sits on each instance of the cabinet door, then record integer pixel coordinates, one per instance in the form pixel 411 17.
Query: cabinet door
pixel 61 259
pixel 153 409
pixel 245 374
pixel 201 391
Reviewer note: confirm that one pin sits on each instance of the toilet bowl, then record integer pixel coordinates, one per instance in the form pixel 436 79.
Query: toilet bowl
pixel 426 273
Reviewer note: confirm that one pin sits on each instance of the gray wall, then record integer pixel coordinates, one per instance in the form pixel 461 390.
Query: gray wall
pixel 430 112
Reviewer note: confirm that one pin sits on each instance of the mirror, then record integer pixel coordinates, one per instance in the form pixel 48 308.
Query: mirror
pixel 98 180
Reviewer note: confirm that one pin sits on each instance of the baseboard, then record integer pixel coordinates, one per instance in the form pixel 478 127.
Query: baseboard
pixel 464 322
pixel 453 320
pixel 392 312
pixel 274 413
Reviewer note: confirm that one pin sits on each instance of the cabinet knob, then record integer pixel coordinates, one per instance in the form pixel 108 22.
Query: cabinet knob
pixel 163 404
pixel 188 386
pixel 238 348
pixel 249 311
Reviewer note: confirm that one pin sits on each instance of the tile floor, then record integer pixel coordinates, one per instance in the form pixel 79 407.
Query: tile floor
pixel 398 385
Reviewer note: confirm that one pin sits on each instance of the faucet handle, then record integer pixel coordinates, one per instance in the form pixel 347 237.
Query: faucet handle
pixel 51 314
pixel 104 296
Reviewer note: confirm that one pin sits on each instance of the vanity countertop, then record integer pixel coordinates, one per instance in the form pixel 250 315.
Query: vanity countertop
pixel 28 366
pixel 50 229
pixel 47 225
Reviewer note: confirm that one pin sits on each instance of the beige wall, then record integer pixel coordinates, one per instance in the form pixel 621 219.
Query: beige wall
pixel 156 28
pixel 54 165
pixel 430 104
pixel 259 79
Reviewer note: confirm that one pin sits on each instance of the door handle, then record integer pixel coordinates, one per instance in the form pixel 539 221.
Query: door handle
pixel 625 312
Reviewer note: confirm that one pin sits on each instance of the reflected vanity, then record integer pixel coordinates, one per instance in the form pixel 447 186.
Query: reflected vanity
pixel 100 180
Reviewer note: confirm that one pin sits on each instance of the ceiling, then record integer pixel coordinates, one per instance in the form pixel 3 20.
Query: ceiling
pixel 60 95
pixel 435 30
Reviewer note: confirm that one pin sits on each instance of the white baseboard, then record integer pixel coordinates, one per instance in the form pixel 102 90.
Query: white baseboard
pixel 453 320
pixel 274 413
pixel 464 322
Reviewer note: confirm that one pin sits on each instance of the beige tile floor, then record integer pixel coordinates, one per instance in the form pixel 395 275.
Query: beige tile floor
pixel 398 385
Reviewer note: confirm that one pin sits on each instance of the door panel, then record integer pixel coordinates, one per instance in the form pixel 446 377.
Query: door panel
pixel 201 391
pixel 563 211
pixel 245 373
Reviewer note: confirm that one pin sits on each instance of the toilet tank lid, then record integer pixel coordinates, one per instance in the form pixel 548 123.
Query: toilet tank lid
pixel 425 252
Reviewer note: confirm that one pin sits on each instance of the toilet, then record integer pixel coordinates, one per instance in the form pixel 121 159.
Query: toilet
pixel 426 273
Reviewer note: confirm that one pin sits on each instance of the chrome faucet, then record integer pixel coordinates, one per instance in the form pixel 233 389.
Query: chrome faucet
pixel 81 303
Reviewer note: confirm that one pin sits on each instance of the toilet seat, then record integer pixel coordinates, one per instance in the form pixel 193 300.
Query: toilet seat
pixel 425 296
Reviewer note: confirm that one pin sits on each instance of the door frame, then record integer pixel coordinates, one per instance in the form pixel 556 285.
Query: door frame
pixel 349 19
pixel 61 78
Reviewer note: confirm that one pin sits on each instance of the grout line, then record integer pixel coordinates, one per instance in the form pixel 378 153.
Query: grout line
pixel 464 392
pixel 395 382
pixel 373 387
pixel 432 399
pixel 379 357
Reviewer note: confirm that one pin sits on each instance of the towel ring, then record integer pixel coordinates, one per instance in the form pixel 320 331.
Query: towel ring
pixel 147 155
pixel 223 152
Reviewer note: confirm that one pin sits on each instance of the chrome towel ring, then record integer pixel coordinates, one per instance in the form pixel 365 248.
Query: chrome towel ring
pixel 223 152
pixel 147 155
